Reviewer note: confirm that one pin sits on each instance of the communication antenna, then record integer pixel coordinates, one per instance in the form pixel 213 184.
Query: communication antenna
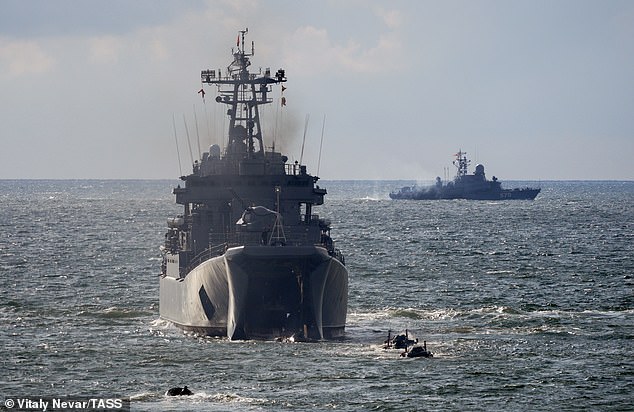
pixel 180 168
pixel 242 32
pixel 191 154
pixel 301 157
pixel 197 134
pixel 277 115
pixel 321 143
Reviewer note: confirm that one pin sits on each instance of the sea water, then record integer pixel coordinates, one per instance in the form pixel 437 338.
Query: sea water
pixel 526 305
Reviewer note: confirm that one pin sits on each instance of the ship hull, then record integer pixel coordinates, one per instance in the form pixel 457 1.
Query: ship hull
pixel 436 194
pixel 254 292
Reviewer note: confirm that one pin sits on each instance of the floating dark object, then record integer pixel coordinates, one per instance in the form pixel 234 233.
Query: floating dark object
pixel 401 341
pixel 184 391
pixel 418 352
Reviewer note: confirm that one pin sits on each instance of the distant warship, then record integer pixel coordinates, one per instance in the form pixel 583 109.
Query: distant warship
pixel 465 186
pixel 248 258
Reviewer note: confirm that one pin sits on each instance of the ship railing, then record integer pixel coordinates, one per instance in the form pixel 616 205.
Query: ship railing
pixel 339 256
pixel 295 236
pixel 219 249
pixel 212 251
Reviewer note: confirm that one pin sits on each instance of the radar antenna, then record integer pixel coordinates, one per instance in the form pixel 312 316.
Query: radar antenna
pixel 461 163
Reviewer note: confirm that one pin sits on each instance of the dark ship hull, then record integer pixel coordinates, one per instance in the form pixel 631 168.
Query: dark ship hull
pixel 465 186
pixel 433 193
pixel 248 258
pixel 260 292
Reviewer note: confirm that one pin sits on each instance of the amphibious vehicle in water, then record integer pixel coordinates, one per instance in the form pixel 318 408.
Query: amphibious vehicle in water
pixel 465 186
pixel 248 258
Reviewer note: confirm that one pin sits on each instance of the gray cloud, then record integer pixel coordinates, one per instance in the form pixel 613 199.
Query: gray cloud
pixel 38 18
pixel 533 89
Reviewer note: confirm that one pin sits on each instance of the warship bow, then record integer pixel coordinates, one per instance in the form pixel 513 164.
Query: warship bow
pixel 248 258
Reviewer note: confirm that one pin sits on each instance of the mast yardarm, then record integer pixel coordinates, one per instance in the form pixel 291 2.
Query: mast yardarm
pixel 243 92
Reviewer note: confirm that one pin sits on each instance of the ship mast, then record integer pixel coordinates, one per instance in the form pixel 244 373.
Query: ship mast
pixel 243 92
pixel 461 163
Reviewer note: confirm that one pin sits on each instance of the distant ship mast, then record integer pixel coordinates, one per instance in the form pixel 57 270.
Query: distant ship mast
pixel 461 163
pixel 243 92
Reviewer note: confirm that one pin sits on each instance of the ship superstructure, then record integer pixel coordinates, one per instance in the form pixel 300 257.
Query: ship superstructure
pixel 248 258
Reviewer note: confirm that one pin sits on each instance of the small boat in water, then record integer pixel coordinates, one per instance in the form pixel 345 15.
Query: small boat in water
pixel 465 186
pixel 178 391
pixel 417 352
pixel 410 345
pixel 400 341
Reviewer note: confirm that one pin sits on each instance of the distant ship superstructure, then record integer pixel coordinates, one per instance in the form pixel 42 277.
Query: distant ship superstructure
pixel 465 186
pixel 248 258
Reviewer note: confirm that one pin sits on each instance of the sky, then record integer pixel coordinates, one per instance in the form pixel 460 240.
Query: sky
pixel 534 90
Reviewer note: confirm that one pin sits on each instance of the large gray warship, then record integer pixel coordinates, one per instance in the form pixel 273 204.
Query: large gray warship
pixel 248 258
pixel 465 186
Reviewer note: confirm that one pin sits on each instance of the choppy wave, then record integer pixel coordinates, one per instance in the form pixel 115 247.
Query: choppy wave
pixel 114 312
pixel 525 305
